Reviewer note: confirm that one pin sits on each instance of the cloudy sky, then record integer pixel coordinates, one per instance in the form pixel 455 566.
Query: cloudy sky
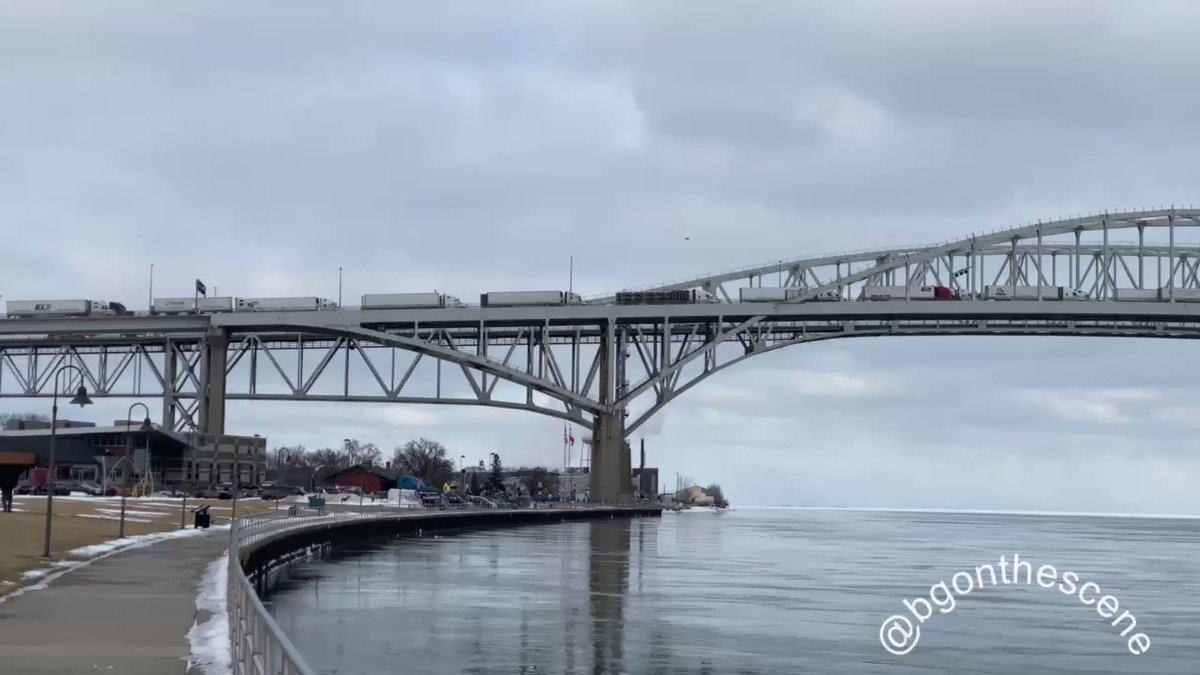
pixel 472 146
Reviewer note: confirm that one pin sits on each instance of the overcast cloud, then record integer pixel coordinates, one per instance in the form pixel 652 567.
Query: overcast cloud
pixel 474 146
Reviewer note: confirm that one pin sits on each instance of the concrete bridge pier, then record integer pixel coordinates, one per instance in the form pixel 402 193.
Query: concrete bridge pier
pixel 611 467
pixel 212 383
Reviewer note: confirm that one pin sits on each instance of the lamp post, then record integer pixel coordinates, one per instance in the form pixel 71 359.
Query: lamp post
pixel 237 474
pixel 81 399
pixel 146 427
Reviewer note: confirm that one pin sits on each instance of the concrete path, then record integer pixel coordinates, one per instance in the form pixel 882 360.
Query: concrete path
pixel 127 614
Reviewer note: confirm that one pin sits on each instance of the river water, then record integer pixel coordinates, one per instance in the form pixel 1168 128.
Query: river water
pixel 751 591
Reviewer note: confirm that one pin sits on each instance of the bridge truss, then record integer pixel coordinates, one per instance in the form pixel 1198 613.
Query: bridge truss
pixel 608 366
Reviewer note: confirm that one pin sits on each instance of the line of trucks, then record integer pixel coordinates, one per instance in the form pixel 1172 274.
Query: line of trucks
pixel 169 306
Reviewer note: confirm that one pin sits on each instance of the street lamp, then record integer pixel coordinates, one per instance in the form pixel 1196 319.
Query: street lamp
pixel 80 399
pixel 146 427
pixel 462 482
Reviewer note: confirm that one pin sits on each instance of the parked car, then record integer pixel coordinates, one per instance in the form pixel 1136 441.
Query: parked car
pixel 61 487
pixel 87 487
pixel 23 488
pixel 282 492
pixel 222 491
pixel 171 492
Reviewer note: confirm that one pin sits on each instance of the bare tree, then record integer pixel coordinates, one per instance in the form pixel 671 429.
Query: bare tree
pixel 714 491
pixel 10 421
pixel 369 454
pixel 425 459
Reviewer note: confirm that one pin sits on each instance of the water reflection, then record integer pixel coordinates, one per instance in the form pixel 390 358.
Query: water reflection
pixel 608 583
pixel 762 593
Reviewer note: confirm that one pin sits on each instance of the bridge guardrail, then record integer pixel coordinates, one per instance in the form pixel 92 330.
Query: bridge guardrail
pixel 259 646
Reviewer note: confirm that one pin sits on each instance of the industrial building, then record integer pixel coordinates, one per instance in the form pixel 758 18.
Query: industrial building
pixel 122 454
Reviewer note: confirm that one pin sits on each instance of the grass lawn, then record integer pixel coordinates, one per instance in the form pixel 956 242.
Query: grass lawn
pixel 80 521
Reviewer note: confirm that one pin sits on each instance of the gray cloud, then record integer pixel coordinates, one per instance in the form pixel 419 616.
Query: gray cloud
pixel 471 147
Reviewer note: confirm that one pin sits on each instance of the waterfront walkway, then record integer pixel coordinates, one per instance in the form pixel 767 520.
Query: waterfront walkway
pixel 128 613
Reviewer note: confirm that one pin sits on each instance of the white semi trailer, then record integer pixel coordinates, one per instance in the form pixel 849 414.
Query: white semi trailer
pixel 294 304
pixel 36 308
pixel 528 298
pixel 909 293
pixel 191 305
pixel 1164 294
pixel 1005 292
pixel 409 301
pixel 1136 294
pixel 781 294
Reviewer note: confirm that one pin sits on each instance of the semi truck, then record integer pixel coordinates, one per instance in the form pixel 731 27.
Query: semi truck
pixel 293 304
pixel 191 305
pixel 1164 294
pixel 37 308
pixel 781 294
pixel 409 301
pixel 993 292
pixel 671 297
pixel 528 298
pixel 910 293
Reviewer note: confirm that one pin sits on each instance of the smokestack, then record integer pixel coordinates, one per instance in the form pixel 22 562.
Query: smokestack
pixel 643 464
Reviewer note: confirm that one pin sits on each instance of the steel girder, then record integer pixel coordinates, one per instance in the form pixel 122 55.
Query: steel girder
pixel 558 368
pixel 548 360
pixel 1076 252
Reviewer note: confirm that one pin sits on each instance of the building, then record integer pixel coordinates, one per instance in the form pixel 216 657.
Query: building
pixel 121 455
pixel 645 482
pixel 576 484
pixel 366 477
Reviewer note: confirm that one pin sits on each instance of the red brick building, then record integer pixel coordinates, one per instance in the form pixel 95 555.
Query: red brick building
pixel 371 479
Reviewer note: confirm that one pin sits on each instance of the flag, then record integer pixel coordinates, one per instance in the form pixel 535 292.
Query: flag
pixel 572 439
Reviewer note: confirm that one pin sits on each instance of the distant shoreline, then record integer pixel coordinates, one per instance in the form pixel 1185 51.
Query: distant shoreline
pixel 983 512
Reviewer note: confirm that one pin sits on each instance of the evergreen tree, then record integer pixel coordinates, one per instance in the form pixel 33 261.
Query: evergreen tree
pixel 496 482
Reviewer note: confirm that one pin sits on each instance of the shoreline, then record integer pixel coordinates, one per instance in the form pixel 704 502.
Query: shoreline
pixel 981 512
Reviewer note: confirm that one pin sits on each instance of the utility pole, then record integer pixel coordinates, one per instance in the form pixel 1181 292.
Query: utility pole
pixel 339 285
pixel 150 295
pixel 571 277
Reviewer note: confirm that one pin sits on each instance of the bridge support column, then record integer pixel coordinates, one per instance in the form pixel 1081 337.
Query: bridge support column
pixel 212 390
pixel 611 472
pixel 170 377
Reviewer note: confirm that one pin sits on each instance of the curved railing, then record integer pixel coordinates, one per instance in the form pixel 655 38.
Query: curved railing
pixel 259 645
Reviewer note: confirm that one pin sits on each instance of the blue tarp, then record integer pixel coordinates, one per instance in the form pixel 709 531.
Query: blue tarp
pixel 409 483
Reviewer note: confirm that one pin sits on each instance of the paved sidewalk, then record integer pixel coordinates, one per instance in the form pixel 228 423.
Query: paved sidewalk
pixel 127 614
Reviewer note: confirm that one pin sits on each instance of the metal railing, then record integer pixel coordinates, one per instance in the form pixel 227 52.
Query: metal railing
pixel 259 645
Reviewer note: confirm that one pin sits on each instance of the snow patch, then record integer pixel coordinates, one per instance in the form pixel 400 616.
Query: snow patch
pixel 134 512
pixel 137 541
pixel 99 552
pixel 104 516
pixel 209 641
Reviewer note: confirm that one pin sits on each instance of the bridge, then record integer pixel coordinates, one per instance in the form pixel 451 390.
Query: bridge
pixel 610 366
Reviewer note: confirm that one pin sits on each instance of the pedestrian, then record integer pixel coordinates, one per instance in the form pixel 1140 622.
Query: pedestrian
pixel 6 498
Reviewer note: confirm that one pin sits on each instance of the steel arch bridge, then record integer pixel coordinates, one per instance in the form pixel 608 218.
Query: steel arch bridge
pixel 613 366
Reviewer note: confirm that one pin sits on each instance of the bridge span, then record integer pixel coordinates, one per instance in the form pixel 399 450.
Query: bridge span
pixel 611 366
